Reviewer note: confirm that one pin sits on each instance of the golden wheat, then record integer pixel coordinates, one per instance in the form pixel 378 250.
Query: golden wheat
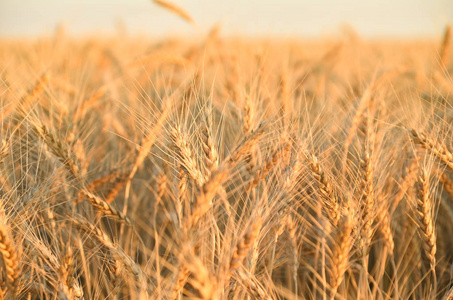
pixel 225 168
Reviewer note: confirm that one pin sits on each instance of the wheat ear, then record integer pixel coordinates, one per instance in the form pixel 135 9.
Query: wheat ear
pixel 267 166
pixel 242 247
pixel 445 47
pixel 32 94
pixel 340 254
pixel 292 230
pixel 185 155
pixel 406 182
pixel 119 182
pixel 110 176
pixel 248 115
pixel 425 218
pixel 383 218
pixel 60 151
pixel 70 163
pixel 448 295
pixel 325 189
pixel 118 254
pixel 367 199
pixel 4 150
pixel 356 120
pixel 211 154
pixel 105 208
pixel 10 259
pixel 245 146
pixel 209 188
pixel 67 270
pixel 254 287
pixel 440 151
pixel 182 187
pixel 181 279
pixel 447 183
pixel 87 103
pixel 175 9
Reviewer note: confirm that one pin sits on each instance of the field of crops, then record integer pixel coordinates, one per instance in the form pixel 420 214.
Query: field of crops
pixel 226 168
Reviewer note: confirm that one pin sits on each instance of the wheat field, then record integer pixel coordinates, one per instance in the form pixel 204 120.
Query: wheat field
pixel 226 168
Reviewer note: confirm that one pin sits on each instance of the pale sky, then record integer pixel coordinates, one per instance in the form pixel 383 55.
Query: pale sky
pixel 370 18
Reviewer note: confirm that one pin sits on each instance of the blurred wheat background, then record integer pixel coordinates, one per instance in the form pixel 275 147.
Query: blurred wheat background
pixel 224 167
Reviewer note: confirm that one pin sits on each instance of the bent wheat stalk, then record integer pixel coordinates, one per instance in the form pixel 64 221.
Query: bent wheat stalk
pixel 175 9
